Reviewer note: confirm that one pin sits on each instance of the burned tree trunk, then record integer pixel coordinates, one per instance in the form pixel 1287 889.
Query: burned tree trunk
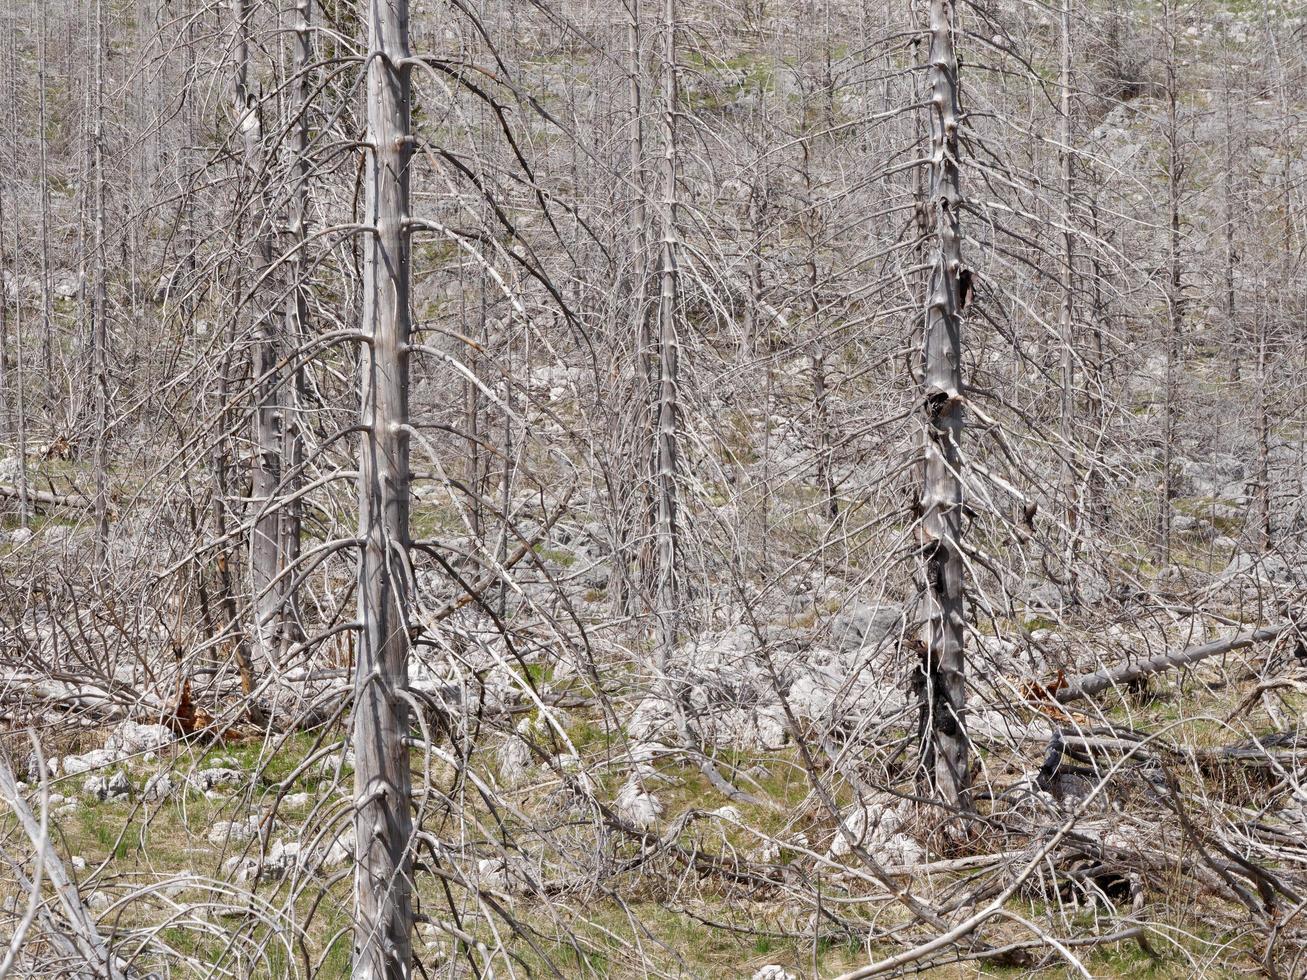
pixel 383 822
pixel 667 593
pixel 941 681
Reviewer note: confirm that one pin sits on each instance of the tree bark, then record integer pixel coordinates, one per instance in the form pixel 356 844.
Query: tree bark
pixel 667 596
pixel 265 536
pixel 1067 283
pixel 941 681
pixel 1175 287
pixel 297 329
pixel 383 822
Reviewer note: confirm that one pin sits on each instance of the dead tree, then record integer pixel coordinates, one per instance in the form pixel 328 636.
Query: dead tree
pixel 265 537
pixel 296 327
pixel 383 822
pixel 1175 174
pixel 1067 284
pixel 100 301
pixel 667 594
pixel 941 678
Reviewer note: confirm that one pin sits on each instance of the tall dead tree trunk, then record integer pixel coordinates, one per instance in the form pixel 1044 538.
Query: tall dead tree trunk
pixel 1174 286
pixel 383 822
pixel 297 326
pixel 100 302
pixel 1067 283
pixel 667 594
pixel 47 313
pixel 941 679
pixel 634 508
pixel 265 536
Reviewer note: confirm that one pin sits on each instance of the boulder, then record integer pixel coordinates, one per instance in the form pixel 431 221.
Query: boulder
pixel 635 804
pixel 226 832
pixel 109 789
pixel 96 759
pixel 1211 476
pixel 157 788
pixel 129 738
pixel 861 624
pixel 341 851
pixel 1258 569
pixel 207 779
pixel 1193 526
pixel 876 826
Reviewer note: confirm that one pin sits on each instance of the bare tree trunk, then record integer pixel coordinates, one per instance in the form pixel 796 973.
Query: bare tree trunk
pixel 1175 287
pixel 821 403
pixel 665 461
pixel 1231 256
pixel 1067 320
pixel 383 823
pixel 297 326
pixel 47 325
pixel 99 303
pixel 265 536
pixel 632 511
pixel 944 748
pixel 1262 468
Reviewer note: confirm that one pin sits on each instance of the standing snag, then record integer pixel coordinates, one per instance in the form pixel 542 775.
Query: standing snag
pixel 383 822
pixel 941 683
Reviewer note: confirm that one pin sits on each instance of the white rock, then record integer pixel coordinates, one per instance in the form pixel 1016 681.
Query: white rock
pixel 295 800
pixel 492 873
pixel 234 831
pixel 98 901
pixel 240 869
pixel 157 788
pixel 874 826
pixel 514 757
pixel 773 972
pixel 129 738
pixel 637 805
pixel 78 862
pixel 108 788
pixel 208 779
pixel 651 720
pixel 99 758
pixel 341 851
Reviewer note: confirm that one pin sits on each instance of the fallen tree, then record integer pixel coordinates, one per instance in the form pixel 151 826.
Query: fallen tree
pixel 1087 685
pixel 48 498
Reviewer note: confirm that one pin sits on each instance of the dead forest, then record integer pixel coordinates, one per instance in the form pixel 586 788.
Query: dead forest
pixel 761 489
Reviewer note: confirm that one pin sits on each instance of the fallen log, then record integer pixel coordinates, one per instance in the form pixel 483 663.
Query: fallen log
pixel 1087 685
pixel 47 498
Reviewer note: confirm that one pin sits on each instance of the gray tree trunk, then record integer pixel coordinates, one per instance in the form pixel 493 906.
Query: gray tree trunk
pixel 1067 283
pixel 667 595
pixel 383 822
pixel 100 304
pixel 297 327
pixel 265 536
pixel 1175 287
pixel 941 681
